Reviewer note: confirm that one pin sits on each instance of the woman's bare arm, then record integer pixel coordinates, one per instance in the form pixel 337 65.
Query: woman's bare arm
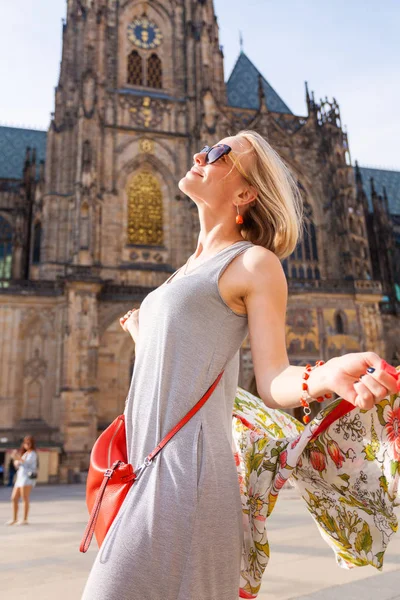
pixel 278 383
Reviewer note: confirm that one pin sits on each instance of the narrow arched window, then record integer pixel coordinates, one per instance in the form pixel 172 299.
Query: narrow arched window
pixel 135 68
pixel 314 241
pixel 84 227
pixel 37 235
pixel 306 240
pixel 5 249
pixel 302 262
pixel 339 323
pixel 154 71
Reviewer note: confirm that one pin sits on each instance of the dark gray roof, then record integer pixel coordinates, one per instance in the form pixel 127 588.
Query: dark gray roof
pixel 13 144
pixel 382 177
pixel 242 88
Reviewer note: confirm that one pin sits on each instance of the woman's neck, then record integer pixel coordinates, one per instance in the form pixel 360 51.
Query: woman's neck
pixel 209 249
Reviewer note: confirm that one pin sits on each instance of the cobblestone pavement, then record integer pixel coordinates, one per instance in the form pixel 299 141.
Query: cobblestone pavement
pixel 42 561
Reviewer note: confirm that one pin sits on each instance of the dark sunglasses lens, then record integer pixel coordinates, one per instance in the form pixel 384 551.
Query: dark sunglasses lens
pixel 215 154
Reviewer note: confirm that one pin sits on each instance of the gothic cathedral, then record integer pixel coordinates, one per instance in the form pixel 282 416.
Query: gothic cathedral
pixel 91 218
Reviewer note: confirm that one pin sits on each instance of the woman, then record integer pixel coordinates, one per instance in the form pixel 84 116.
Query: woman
pixel 27 465
pixel 178 535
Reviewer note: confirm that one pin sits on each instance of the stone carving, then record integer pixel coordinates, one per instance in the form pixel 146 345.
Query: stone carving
pixel 146 256
pixel 33 400
pixel 290 123
pixel 146 146
pixel 36 366
pixel 40 321
pixel 89 93
pixel 86 156
pixel 145 111
pixel 300 321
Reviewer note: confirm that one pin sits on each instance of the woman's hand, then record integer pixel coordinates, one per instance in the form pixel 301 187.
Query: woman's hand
pixel 342 374
pixel 130 323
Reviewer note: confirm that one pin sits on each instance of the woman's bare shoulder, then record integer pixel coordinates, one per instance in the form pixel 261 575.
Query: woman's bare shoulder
pixel 259 262
pixel 253 271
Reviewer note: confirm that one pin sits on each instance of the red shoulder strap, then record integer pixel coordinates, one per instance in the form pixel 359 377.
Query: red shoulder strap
pixel 89 531
pixel 185 419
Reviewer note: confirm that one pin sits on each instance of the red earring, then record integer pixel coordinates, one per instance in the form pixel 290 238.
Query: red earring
pixel 239 218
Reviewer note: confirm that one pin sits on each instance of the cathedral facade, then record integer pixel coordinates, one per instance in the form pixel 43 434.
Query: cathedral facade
pixel 92 220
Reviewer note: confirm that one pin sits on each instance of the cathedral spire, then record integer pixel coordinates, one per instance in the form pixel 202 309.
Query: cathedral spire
pixel 261 93
pixel 308 99
pixel 358 174
pixel 385 199
pixel 376 204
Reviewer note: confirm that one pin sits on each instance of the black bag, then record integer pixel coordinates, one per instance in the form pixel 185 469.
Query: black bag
pixel 33 474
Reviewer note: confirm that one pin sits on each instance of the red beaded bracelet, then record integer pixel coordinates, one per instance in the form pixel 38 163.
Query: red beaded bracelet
pixel 305 396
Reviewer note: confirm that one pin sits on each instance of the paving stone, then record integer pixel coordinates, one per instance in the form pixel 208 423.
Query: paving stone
pixel 42 561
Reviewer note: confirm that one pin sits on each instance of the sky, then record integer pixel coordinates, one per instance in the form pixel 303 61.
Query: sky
pixel 346 49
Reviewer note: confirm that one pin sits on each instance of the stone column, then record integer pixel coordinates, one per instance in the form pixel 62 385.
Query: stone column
pixel 371 319
pixel 80 356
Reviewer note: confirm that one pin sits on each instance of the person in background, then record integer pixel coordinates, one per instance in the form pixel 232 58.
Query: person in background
pixel 27 466
pixel 11 468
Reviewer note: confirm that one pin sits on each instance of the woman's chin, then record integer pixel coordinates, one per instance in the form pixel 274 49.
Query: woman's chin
pixel 185 185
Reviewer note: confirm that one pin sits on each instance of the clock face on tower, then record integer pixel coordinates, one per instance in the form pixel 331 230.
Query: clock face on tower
pixel 144 34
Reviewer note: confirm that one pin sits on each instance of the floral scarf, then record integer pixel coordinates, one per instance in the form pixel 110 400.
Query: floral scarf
pixel 345 464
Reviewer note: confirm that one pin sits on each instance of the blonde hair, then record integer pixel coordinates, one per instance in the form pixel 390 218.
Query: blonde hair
pixel 274 220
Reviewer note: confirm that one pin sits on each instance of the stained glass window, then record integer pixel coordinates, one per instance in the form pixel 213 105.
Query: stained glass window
pixel 314 241
pixel 37 234
pixel 135 68
pixel 339 323
pixel 145 210
pixel 304 258
pixel 5 249
pixel 154 71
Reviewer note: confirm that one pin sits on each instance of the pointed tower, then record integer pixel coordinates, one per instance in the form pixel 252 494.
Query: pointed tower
pixel 141 85
pixel 139 82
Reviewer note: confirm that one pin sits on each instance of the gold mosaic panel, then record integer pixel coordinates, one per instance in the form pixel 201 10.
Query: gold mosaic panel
pixel 145 210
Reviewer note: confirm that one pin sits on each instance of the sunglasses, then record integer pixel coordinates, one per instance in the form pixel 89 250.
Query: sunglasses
pixel 215 152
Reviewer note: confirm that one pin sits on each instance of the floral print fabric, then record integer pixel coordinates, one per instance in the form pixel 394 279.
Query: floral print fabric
pixel 345 464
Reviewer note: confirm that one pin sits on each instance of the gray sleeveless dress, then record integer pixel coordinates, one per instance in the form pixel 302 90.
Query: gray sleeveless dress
pixel 179 532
